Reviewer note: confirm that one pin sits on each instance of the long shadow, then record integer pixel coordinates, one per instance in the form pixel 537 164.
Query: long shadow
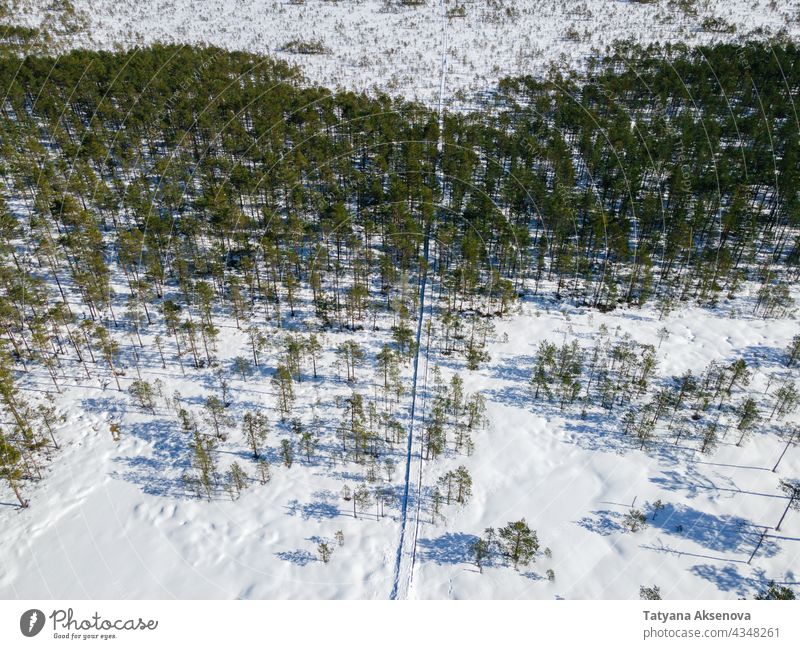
pixel 693 483
pixel 159 474
pixel 317 510
pixel 517 368
pixel 733 466
pixel 603 522
pixel 726 578
pixel 718 533
pixel 297 557
pixel 680 553
pixel 450 548
pixel 728 534
pixel 757 355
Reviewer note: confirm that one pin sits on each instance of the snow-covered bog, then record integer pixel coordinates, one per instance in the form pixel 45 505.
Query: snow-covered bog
pixel 113 516
pixel 395 46
pixel 112 519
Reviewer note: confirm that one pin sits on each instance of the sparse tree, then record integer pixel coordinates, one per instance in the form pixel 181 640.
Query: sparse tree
pixel 287 453
pixel 324 551
pixel 282 383
pixel 11 468
pixel 635 520
pixel 649 592
pixel 520 543
pixel 255 428
pixel 792 490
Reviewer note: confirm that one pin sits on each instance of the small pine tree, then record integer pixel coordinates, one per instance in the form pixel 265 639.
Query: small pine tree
pixel 774 591
pixel 11 469
pixel 635 520
pixel 657 507
pixel 325 551
pixel 463 483
pixel 287 453
pixel 710 439
pixel 217 415
pixel 649 592
pixel 362 499
pixel 748 417
pixel 480 552
pixel 263 472
pixel 793 351
pixel 520 543
pixel 142 392
pixel 237 479
pixel 255 428
pixel 203 462
pixel 242 367
pixel 282 382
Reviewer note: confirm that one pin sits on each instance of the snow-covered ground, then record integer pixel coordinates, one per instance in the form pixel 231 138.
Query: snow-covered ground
pixel 112 520
pixel 394 47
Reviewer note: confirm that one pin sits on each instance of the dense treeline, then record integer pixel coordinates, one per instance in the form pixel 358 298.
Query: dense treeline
pixel 669 175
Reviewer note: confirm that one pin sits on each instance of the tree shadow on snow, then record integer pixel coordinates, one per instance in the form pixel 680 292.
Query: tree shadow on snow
pixel 694 483
pixel 450 548
pixel 318 510
pixel 726 578
pixel 603 522
pixel 297 557
pixel 717 533
pixel 160 472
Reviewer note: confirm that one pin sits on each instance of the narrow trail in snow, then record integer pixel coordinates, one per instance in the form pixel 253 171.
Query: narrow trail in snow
pixel 405 560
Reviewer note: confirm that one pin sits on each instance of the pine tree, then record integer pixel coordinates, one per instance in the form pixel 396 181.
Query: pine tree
pixel 792 490
pixel 662 334
pixel 287 453
pixel 263 472
pixel 710 438
pixel 786 400
pixel 109 348
pixel 255 428
pixel 774 591
pixel 142 392
pixel 793 351
pixel 649 592
pixel 480 552
pixel 325 551
pixel 308 442
pixel 463 485
pixel 351 356
pixel 237 480
pixel 362 499
pixel 520 543
pixel 282 382
pixel 11 468
pixel 635 520
pixel 313 348
pixel 242 367
pixel 217 415
pixel 204 463
pixel 748 417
